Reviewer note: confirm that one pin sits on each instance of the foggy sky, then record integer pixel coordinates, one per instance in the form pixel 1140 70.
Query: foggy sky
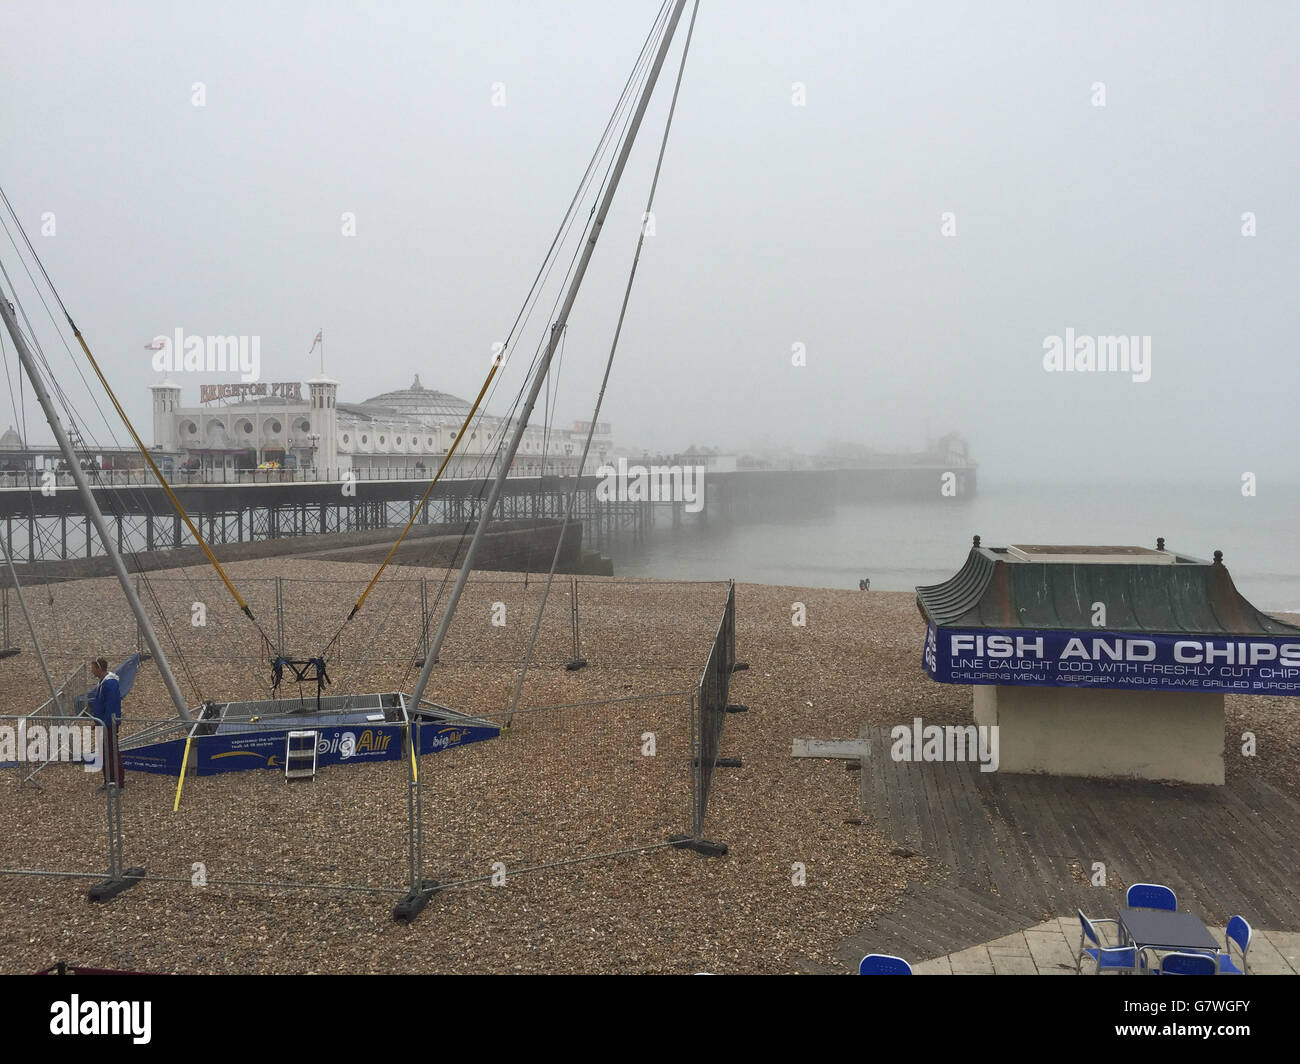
pixel 775 224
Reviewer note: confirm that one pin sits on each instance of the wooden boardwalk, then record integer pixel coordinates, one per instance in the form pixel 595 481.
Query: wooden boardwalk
pixel 1021 848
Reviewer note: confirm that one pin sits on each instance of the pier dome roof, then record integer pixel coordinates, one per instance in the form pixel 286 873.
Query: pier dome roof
pixel 11 441
pixel 421 402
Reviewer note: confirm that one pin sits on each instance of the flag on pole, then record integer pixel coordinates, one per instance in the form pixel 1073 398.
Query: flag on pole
pixel 320 339
pixel 156 345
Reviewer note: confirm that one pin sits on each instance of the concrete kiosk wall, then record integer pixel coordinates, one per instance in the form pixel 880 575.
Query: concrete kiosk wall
pixel 1157 735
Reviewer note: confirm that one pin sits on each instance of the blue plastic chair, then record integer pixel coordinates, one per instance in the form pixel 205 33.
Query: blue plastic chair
pixel 1238 933
pixel 1188 964
pixel 883 964
pixel 1107 958
pixel 1151 896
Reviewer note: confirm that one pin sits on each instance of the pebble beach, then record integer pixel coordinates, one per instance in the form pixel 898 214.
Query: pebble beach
pixel 572 779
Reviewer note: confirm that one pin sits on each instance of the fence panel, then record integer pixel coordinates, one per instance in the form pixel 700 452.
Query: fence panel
pixel 495 618
pixel 646 624
pixel 714 690
pixel 57 822
pixel 254 830
pixel 577 780
pixel 71 703
pixel 563 783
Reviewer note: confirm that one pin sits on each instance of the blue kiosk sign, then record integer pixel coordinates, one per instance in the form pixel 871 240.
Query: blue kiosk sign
pixel 1136 661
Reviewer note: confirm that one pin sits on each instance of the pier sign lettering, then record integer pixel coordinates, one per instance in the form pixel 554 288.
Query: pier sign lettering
pixel 277 390
pixel 1258 665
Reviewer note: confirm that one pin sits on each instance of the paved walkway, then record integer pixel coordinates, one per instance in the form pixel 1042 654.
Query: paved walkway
pixel 1049 949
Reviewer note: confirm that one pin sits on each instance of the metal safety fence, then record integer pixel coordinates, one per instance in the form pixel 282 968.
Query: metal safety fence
pixel 66 827
pixel 200 822
pixel 595 621
pixel 7 646
pixel 395 808
pixel 70 702
pixel 713 705
pixel 558 785
pixel 562 785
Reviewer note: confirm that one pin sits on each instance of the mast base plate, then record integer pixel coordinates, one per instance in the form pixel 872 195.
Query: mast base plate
pixel 703 847
pixel 114 885
pixel 413 904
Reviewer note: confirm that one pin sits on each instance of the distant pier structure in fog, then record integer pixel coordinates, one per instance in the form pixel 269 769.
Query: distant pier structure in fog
pixel 238 427
pixel 754 488
pixel 301 495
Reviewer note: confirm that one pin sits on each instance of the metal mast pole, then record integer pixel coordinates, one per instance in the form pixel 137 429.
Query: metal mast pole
pixel 22 604
pixel 557 331
pixel 92 508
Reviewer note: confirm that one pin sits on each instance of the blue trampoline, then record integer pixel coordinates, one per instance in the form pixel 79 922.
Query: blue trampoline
pixel 345 729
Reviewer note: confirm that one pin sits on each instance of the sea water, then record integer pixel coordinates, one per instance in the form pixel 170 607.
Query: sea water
pixel 898 544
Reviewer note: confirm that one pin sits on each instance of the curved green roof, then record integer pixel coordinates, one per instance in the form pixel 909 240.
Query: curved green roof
pixel 996 589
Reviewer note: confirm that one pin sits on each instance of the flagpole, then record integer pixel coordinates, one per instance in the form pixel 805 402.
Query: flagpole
pixel 320 339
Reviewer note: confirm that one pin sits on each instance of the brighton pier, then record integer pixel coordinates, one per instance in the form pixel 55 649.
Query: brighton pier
pixel 273 466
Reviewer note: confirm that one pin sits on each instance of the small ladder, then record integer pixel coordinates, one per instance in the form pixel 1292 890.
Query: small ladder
pixel 300 755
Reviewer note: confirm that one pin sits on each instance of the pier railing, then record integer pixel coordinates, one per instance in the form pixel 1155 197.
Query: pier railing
pixel 470 470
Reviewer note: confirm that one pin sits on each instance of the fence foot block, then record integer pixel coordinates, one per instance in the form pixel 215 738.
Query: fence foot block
pixel 114 885
pixel 413 904
pixel 9 652
pixel 723 762
pixel 740 666
pixel 576 664
pixel 737 708
pixel 704 847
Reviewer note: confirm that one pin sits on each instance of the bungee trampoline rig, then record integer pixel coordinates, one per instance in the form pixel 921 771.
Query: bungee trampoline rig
pixel 296 733
pixel 289 733
pixel 301 734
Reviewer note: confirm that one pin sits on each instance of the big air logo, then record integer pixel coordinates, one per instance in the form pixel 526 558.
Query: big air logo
pixel 349 745
pixel 448 737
